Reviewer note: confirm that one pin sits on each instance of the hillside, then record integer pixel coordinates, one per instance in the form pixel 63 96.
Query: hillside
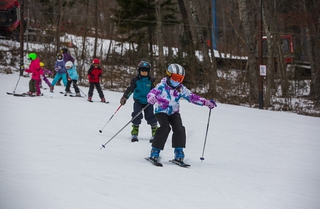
pixel 50 156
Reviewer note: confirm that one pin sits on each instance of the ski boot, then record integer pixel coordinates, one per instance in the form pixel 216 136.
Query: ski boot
pixel 178 154
pixel 90 99
pixel 134 133
pixel 154 155
pixel 51 89
pixel 78 95
pixel 103 100
pixel 153 132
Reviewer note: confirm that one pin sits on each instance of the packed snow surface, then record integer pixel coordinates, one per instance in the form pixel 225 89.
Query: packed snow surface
pixel 50 156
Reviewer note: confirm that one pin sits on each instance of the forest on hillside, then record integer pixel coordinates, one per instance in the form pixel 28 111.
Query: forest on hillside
pixel 168 31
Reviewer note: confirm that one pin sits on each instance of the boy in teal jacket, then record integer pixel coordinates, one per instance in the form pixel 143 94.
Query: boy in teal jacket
pixel 140 86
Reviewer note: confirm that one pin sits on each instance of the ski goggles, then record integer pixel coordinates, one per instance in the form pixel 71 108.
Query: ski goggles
pixel 177 77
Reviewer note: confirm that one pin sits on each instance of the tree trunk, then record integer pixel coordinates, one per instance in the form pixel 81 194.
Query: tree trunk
pixel 189 48
pixel 159 36
pixel 60 14
pixel 270 62
pixel 313 44
pixel 96 29
pixel 84 37
pixel 202 34
pixel 247 20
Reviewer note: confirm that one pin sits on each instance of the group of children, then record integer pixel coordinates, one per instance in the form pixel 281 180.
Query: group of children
pixel 66 71
pixel 159 102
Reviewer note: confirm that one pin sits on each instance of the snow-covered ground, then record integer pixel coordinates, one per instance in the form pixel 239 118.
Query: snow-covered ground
pixel 50 156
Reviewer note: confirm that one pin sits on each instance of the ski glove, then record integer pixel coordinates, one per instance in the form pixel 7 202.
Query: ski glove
pixel 152 100
pixel 210 103
pixel 123 101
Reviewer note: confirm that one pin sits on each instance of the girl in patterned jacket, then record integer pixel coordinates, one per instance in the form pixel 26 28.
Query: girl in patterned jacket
pixel 165 98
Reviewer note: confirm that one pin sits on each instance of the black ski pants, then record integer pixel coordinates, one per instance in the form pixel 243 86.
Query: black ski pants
pixel 98 87
pixel 179 132
pixel 148 114
pixel 75 86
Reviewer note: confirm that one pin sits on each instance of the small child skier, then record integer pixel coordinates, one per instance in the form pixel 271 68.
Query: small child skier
pixel 72 78
pixel 60 72
pixel 94 74
pixel 165 97
pixel 45 72
pixel 35 69
pixel 140 86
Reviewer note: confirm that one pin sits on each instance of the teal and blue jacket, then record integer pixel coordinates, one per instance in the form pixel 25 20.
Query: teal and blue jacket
pixel 140 87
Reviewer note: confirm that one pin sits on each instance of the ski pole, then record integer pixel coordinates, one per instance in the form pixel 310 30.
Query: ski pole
pixel 104 145
pixel 14 91
pixel 110 118
pixel 205 139
pixel 79 89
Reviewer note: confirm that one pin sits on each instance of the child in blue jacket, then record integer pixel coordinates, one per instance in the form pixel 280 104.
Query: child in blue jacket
pixel 140 86
pixel 72 78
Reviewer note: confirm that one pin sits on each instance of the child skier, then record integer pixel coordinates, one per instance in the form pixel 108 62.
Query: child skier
pixel 35 69
pixel 94 74
pixel 61 72
pixel 140 86
pixel 72 78
pixel 45 72
pixel 165 97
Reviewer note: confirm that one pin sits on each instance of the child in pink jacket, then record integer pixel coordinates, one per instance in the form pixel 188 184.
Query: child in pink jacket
pixel 35 69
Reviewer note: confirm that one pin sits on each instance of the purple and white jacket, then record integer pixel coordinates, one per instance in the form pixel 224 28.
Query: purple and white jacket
pixel 168 97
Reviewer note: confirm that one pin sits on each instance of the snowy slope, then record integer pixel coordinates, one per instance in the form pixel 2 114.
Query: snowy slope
pixel 50 157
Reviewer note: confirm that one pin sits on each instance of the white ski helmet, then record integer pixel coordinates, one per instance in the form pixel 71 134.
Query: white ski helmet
pixel 175 69
pixel 69 64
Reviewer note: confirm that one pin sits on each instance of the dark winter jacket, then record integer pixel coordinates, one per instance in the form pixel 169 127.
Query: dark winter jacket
pixel 94 74
pixel 67 57
pixel 140 87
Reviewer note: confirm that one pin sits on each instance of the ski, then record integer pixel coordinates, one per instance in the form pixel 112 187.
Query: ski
pixel 24 95
pixel 71 95
pixel 180 163
pixel 19 95
pixel 10 93
pixel 101 102
pixel 156 163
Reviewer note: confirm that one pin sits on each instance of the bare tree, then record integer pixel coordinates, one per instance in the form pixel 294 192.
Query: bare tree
pixel 246 16
pixel 270 60
pixel 312 19
pixel 159 34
